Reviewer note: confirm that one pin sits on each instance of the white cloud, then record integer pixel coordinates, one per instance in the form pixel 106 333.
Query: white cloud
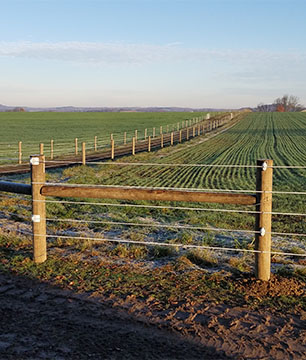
pixel 121 53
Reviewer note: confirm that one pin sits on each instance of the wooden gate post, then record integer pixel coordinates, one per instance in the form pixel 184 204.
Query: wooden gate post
pixel 264 177
pixel 83 153
pixel 20 152
pixel 38 178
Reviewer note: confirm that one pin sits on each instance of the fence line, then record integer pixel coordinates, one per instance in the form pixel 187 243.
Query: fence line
pixel 262 202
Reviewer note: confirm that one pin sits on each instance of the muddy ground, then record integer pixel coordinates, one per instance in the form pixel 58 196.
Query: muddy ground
pixel 40 321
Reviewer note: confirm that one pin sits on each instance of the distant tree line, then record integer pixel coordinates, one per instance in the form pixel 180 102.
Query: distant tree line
pixel 287 103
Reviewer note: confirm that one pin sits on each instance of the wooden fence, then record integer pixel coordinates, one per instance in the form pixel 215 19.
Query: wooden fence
pixel 114 150
pixel 262 200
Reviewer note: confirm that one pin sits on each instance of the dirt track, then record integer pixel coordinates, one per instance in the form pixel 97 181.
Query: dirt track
pixel 42 322
pixel 39 321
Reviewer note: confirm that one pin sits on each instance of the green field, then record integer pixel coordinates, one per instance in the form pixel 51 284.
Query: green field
pixel 280 137
pixel 63 128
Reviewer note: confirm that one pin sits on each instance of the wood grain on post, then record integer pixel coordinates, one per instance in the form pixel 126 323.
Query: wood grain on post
pixel 38 209
pixel 264 179
pixel 83 153
pixel 113 149
pixel 51 149
pixel 133 146
pixel 149 144
pixel 128 193
pixel 19 152
pixel 76 146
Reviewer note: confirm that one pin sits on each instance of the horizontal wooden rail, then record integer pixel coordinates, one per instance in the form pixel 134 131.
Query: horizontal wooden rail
pixel 15 188
pixel 95 192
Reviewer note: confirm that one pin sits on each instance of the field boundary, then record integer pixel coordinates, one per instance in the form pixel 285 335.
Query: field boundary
pixel 201 127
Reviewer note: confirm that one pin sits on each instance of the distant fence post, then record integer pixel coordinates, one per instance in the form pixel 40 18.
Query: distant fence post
pixel 149 143
pixel 95 141
pixel 133 146
pixel 187 134
pixel 171 138
pixel 162 140
pixel 76 146
pixel 41 149
pixel 124 138
pixel 51 149
pixel 180 136
pixel 264 177
pixel 20 152
pixel 136 136
pixel 83 153
pixel 145 134
pixel 167 129
pixel 38 179
pixel 160 130
pixel 193 131
pixel 113 149
pixel 153 133
pixel 178 126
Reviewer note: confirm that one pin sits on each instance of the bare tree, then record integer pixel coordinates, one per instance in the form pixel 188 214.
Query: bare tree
pixel 288 103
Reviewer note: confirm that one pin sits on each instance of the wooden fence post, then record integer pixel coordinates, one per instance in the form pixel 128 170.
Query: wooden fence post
pixel 111 137
pixel 193 131
pixel 83 153
pixel 160 130
pixel 76 146
pixel 95 141
pixel 124 138
pixel 171 138
pixel 187 134
pixel 167 129
pixel 113 149
pixel 162 140
pixel 145 134
pixel 180 136
pixel 38 209
pixel 178 126
pixel 20 152
pixel 41 149
pixel 149 143
pixel 133 146
pixel 264 177
pixel 51 149
pixel 136 136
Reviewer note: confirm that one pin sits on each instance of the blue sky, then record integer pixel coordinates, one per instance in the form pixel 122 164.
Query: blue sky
pixel 198 53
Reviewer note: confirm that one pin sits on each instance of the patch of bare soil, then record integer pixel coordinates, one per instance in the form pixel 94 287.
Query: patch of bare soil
pixel 39 321
pixel 277 286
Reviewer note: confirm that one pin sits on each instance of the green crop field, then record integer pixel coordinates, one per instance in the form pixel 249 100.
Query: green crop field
pixel 63 128
pixel 280 137
pixel 276 136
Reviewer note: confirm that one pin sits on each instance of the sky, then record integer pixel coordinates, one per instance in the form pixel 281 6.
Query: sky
pixel 186 53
